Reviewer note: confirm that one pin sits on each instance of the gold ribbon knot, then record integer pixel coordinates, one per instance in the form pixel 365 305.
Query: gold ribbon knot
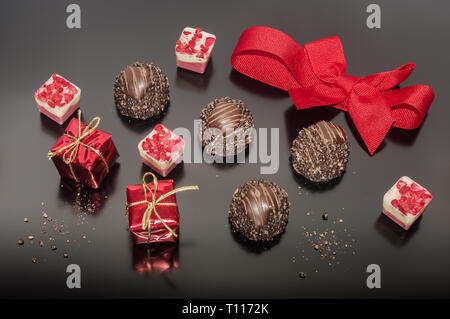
pixel 71 149
pixel 153 202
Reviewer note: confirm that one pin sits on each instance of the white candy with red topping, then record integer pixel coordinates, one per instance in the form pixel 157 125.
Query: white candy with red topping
pixel 193 49
pixel 58 98
pixel 161 150
pixel 405 202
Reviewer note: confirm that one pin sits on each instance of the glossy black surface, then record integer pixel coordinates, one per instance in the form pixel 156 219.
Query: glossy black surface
pixel 214 262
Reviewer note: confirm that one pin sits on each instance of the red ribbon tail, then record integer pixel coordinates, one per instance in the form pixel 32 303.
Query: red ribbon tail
pixel 371 114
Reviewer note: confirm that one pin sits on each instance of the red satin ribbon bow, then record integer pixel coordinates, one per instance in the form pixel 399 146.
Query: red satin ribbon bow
pixel 315 76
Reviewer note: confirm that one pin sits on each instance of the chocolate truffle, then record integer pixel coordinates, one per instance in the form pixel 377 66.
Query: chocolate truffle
pixel 320 152
pixel 259 210
pixel 224 127
pixel 141 91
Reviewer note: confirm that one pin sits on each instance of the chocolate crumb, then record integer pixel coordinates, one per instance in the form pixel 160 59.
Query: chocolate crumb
pixel 30 237
pixel 20 242
pixel 325 216
pixel 65 255
pixel 33 260
pixel 302 275
pixel 25 220
pixel 53 247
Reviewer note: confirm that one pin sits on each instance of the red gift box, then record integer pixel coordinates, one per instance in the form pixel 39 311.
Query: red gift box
pixel 153 216
pixel 84 153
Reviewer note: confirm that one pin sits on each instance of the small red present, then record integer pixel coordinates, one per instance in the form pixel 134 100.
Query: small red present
pixel 84 153
pixel 153 215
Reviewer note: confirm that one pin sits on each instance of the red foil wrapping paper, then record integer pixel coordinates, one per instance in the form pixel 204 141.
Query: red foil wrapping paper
pixel 88 167
pixel 169 214
pixel 156 258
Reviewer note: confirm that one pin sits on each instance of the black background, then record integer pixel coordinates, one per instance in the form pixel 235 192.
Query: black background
pixel 35 42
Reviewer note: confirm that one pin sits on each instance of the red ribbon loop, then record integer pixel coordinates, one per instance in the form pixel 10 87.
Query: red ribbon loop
pixel 316 76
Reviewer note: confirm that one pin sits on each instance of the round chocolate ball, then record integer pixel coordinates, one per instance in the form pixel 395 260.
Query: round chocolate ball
pixel 259 210
pixel 141 91
pixel 320 152
pixel 225 127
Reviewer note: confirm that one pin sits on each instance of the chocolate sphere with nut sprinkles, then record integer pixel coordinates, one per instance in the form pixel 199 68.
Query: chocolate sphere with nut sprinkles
pixel 228 120
pixel 320 152
pixel 141 91
pixel 259 210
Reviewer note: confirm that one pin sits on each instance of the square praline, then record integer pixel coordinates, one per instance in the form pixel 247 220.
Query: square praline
pixel 58 98
pixel 161 150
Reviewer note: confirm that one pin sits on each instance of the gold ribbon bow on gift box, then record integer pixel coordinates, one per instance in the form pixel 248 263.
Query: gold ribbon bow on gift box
pixel 153 202
pixel 72 148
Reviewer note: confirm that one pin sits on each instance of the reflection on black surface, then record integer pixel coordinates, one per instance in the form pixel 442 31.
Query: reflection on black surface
pixel 155 258
pixel 140 126
pixel 192 81
pixel 232 161
pixel 256 87
pixel 52 128
pixel 313 186
pixel 396 235
pixel 86 200
pixel 402 136
pixel 256 247
pixel 298 119
pixel 175 174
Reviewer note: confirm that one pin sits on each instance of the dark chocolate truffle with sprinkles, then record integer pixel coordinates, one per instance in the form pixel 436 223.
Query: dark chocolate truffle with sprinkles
pixel 226 125
pixel 320 152
pixel 259 210
pixel 141 91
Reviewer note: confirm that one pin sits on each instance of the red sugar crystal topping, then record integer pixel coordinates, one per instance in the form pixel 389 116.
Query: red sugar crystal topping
pixel 58 93
pixel 161 144
pixel 413 198
pixel 209 41
pixel 189 47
